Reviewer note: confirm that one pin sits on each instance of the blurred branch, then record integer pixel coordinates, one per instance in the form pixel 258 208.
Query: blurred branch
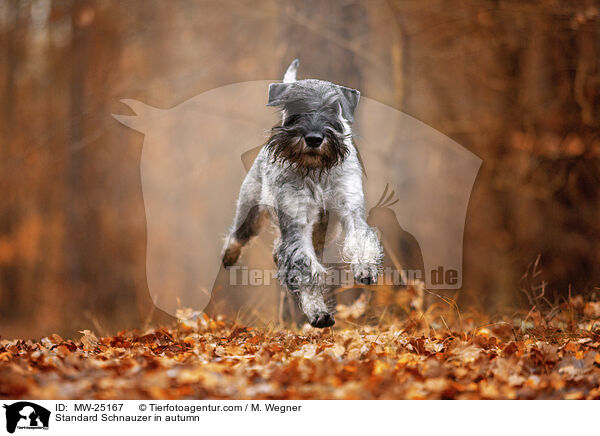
pixel 321 30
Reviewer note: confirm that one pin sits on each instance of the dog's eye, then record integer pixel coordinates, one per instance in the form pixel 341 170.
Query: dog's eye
pixel 336 125
pixel 290 120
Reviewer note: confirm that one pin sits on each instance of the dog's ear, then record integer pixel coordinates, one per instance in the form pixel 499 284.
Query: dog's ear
pixel 277 93
pixel 290 74
pixel 349 103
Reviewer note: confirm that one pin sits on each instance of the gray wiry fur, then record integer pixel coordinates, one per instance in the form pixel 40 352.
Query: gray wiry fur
pixel 297 186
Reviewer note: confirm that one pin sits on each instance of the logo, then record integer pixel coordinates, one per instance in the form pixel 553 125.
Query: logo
pixel 191 175
pixel 26 415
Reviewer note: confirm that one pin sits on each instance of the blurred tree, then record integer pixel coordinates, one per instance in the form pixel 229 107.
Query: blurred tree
pixel 516 83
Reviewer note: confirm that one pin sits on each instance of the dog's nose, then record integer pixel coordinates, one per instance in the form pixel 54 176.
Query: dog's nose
pixel 313 140
pixel 322 320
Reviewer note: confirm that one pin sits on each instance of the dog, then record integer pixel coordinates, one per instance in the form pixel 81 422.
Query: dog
pixel 307 171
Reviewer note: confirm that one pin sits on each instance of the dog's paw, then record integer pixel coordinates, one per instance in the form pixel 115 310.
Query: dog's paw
pixel 313 304
pixel 299 271
pixel 231 254
pixel 365 273
pixel 364 252
pixel 321 320
pixel 230 258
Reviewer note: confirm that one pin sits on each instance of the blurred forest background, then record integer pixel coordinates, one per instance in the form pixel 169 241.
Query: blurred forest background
pixel 515 82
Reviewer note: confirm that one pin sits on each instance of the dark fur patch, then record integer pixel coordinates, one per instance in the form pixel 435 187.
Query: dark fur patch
pixel 286 144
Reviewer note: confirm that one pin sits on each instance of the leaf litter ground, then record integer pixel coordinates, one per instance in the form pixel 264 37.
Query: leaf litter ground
pixel 442 355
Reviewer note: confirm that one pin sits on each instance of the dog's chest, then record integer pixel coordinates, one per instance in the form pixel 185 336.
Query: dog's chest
pixel 316 192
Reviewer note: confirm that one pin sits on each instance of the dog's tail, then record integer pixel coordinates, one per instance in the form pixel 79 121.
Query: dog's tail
pixel 290 74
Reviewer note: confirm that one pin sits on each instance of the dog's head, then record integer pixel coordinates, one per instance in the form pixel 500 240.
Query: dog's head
pixel 317 115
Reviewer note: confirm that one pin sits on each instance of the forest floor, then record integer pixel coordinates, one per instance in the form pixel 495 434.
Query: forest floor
pixel 553 353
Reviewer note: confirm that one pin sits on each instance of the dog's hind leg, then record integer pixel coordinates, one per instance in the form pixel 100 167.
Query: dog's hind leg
pixel 289 309
pixel 319 234
pixel 298 267
pixel 249 218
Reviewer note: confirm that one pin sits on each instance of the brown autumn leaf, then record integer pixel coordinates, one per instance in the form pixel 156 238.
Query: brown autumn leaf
pixel 355 310
pixel 89 340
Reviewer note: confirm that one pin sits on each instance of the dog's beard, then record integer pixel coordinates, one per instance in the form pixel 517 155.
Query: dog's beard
pixel 286 145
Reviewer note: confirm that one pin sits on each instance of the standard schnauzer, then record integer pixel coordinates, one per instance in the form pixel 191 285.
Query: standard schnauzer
pixel 308 169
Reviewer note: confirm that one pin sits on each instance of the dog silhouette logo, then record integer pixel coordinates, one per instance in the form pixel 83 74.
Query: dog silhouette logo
pixel 26 415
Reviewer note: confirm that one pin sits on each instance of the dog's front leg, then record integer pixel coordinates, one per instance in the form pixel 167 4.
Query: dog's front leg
pixel 298 267
pixel 361 249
